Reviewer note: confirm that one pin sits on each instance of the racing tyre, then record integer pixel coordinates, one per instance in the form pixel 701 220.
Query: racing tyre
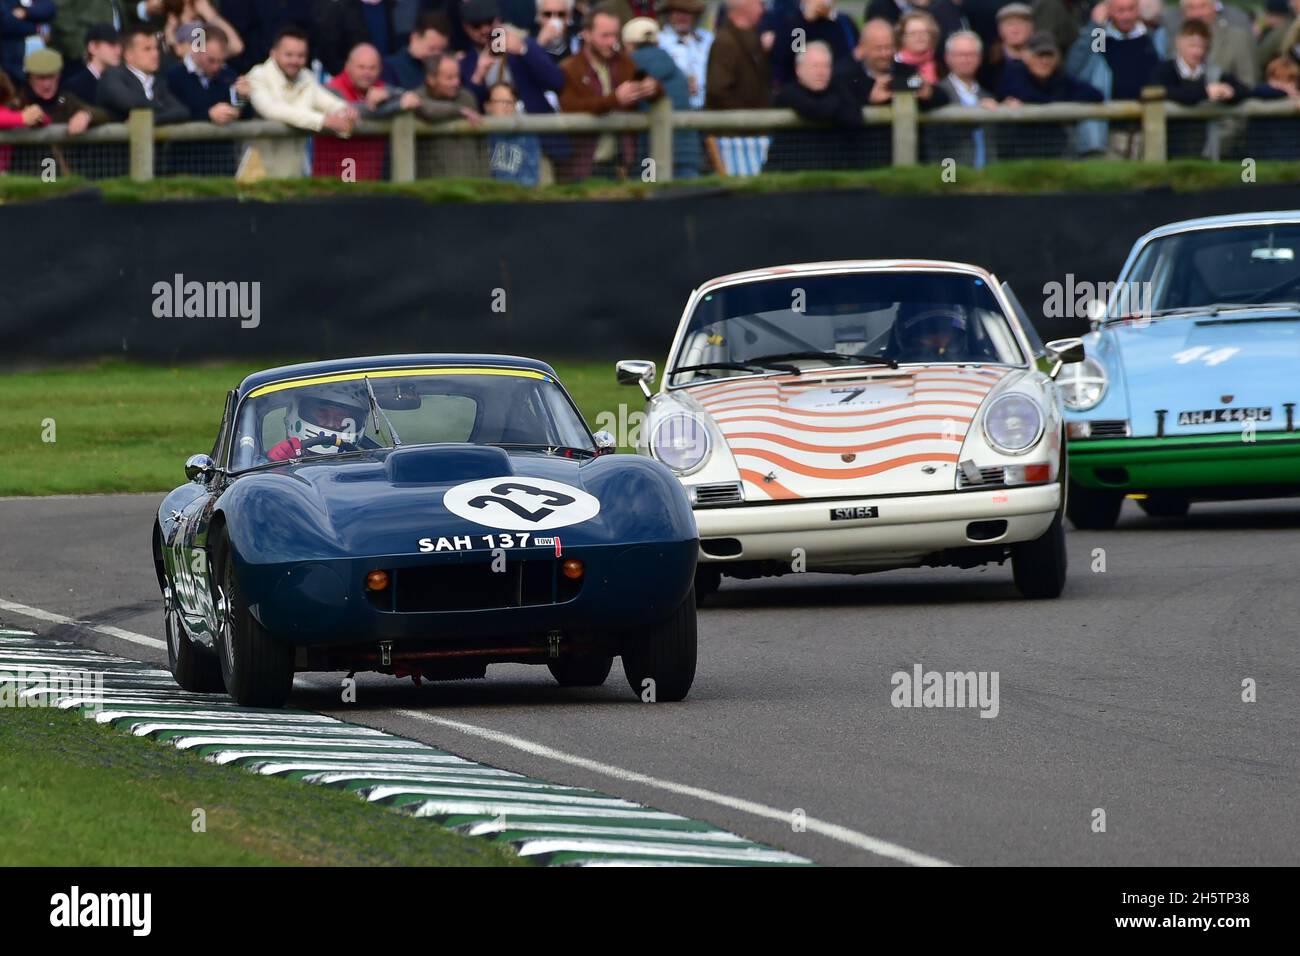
pixel 665 655
pixel 195 669
pixel 1090 509
pixel 1164 506
pixel 707 581
pixel 1038 566
pixel 257 670
pixel 589 670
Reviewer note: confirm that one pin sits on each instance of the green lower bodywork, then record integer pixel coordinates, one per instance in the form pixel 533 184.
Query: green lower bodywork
pixel 1189 462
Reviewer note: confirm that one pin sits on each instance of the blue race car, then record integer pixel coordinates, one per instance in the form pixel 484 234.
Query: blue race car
pixel 423 516
pixel 1190 384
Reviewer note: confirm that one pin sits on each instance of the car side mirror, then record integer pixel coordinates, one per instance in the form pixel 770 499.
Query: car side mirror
pixel 636 372
pixel 198 468
pixel 1062 352
pixel 606 444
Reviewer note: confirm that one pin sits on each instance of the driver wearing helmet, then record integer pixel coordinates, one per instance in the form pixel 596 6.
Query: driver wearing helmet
pixel 321 421
pixel 932 333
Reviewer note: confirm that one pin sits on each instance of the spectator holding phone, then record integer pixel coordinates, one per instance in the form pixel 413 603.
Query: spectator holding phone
pixel 603 79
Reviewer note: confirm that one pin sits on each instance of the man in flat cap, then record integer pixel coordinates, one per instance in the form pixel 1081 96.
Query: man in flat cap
pixel 42 89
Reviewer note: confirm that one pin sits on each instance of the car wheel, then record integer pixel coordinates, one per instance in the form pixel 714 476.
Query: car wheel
pixel 1164 506
pixel 194 668
pixel 665 656
pixel 1038 566
pixel 1090 509
pixel 707 581
pixel 588 670
pixel 256 668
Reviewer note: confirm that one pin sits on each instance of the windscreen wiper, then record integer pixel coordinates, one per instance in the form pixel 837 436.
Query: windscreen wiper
pixel 752 365
pixel 379 413
pixel 825 356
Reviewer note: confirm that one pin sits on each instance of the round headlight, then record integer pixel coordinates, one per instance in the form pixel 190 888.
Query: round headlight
pixel 1082 385
pixel 681 442
pixel 1013 423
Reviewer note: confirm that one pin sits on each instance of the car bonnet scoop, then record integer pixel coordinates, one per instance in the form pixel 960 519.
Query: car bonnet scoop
pixel 428 464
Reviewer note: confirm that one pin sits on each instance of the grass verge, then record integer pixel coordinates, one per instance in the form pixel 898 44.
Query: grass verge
pixel 1021 176
pixel 74 793
pixel 129 426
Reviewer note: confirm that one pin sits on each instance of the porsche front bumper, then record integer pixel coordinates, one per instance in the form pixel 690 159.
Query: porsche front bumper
pixel 902 531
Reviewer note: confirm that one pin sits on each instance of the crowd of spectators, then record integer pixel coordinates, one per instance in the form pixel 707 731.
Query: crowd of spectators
pixel 323 65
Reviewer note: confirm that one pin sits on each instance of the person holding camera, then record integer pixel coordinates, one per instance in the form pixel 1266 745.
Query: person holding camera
pixel 602 79
pixel 874 73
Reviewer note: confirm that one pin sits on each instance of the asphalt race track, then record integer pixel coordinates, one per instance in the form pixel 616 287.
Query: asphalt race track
pixel 1125 695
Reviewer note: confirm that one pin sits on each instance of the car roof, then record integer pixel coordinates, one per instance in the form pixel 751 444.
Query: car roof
pixel 1218 222
pixel 435 359
pixel 850 265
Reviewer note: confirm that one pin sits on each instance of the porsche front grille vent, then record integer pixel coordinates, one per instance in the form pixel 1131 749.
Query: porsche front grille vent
pixel 988 476
pixel 1108 428
pixel 718 493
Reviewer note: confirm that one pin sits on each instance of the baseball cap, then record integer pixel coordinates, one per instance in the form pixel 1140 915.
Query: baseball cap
pixel 102 33
pixel 640 30
pixel 479 11
pixel 1043 42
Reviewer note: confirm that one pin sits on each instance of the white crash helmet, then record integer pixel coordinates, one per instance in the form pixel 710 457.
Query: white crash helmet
pixel 330 410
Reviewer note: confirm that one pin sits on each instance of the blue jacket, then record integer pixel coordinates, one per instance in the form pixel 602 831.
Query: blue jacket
pixel 14 33
pixel 403 71
pixel 198 99
pixel 1060 87
pixel 659 64
pixel 534 74
pixel 515 158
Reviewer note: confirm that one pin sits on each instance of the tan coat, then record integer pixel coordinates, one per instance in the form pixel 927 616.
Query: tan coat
pixel 303 104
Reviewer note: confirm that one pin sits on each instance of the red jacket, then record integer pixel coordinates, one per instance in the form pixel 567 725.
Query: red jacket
pixel 368 151
pixel 12 119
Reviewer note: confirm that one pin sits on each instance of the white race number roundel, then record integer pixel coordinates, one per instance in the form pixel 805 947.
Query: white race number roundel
pixel 515 503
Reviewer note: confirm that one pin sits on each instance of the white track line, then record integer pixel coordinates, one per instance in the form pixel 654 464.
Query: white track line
pixel 832 831
pixel 36 613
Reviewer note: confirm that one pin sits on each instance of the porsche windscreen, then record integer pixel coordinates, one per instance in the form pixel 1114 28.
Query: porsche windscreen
pixel 335 414
pixel 1207 268
pixel 865 318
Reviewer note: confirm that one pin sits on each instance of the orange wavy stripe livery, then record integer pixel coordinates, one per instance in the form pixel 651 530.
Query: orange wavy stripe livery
pixel 719 410
pixel 773 489
pixel 841 473
pixel 795 444
pixel 840 429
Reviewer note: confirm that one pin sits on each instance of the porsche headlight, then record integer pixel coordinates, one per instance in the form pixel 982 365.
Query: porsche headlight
pixel 1082 385
pixel 1013 423
pixel 681 442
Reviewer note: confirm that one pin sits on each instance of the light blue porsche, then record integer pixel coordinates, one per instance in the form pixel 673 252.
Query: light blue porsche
pixel 1192 377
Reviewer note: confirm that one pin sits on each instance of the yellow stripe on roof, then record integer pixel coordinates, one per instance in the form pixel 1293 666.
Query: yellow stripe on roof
pixel 392 373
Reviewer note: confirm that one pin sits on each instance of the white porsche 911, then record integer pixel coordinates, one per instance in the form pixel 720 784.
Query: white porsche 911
pixel 863 416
